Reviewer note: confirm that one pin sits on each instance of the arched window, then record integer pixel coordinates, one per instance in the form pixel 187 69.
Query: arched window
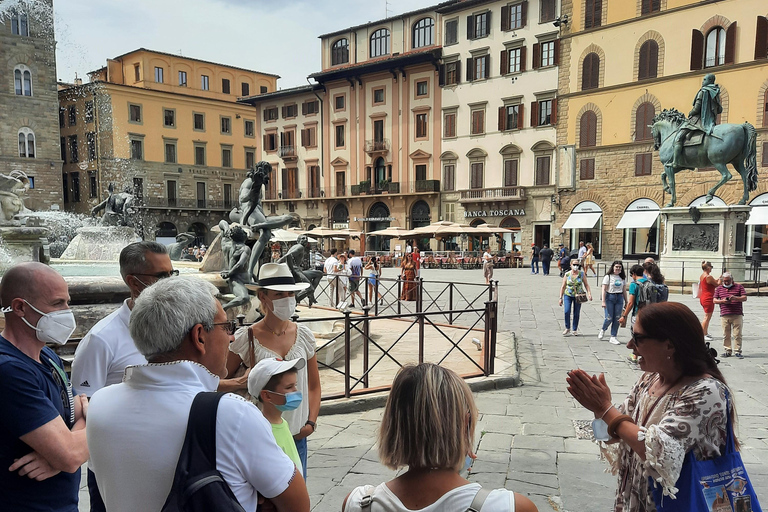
pixel 19 24
pixel 643 121
pixel 593 13
pixel 648 61
pixel 340 52
pixel 588 130
pixel 22 79
pixel 590 72
pixel 26 143
pixel 380 43
pixel 423 32
pixel 420 215
pixel 714 48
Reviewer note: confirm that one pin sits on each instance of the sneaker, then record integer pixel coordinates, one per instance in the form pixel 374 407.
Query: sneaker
pixel 727 353
pixel 600 334
pixel 738 354
pixel 614 340
pixel 707 337
pixel 575 333
pixel 566 332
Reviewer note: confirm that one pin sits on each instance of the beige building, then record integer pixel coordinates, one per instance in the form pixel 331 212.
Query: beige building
pixel 381 117
pixel 170 129
pixel 292 141
pixel 622 63
pixel 499 106
pixel 28 104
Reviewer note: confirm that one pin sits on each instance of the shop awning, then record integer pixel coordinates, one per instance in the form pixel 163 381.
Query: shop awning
pixel 582 220
pixel 758 216
pixel 638 219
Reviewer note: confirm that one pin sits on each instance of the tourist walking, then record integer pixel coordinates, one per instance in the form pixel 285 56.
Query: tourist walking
pixel 535 251
pixel 428 433
pixel 564 263
pixel 681 403
pixel 614 292
pixel 355 275
pixel 731 296
pixel 373 279
pixel 707 286
pixel 330 269
pixel 582 252
pixel 589 259
pixel 136 429
pixel 487 266
pixel 574 291
pixel 343 272
pixel 276 335
pixel 408 276
pixel 545 255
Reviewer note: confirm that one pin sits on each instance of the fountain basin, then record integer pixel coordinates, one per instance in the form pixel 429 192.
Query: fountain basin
pixel 100 243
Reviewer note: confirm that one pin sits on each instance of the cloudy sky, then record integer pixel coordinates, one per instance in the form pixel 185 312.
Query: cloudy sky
pixel 274 36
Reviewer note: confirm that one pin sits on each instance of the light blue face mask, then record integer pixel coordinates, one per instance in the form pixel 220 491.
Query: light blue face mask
pixel 292 401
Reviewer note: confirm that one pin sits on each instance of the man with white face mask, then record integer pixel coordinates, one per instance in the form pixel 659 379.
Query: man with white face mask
pixel 108 349
pixel 43 423
pixel 730 296
pixel 276 335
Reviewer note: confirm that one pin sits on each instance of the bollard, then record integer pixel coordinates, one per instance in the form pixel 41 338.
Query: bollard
pixel 399 292
pixel 347 352
pixel 419 307
pixel 366 332
pixel 450 303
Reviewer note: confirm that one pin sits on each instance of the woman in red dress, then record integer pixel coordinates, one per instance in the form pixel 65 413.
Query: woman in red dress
pixel 707 285
pixel 408 275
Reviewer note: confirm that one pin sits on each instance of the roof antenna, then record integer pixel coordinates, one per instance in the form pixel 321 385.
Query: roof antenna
pixel 386 8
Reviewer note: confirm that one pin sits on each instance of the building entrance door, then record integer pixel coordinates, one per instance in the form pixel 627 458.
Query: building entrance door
pixel 541 235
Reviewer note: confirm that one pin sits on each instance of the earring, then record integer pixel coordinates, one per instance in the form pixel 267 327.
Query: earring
pixel 669 357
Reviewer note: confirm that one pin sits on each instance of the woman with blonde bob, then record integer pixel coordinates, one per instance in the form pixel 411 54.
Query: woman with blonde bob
pixel 428 426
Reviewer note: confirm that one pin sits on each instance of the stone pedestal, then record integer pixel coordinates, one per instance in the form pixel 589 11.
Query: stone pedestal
pixel 102 243
pixel 712 233
pixel 23 243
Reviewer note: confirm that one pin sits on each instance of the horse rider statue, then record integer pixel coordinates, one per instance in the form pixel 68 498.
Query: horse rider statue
pixel 702 117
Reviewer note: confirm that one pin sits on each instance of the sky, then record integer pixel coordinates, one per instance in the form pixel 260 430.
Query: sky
pixel 272 36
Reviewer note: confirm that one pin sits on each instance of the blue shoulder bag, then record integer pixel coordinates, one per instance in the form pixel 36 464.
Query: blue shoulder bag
pixel 713 485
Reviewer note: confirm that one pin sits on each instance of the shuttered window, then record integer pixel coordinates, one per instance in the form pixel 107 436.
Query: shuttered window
pixel 643 164
pixel 593 13
pixel 588 130
pixel 510 172
pixel 478 122
pixel 761 38
pixel 449 125
pixel 542 170
pixel 648 60
pixel 449 177
pixel 476 175
pixel 590 72
pixel 587 169
pixel 650 6
pixel 643 121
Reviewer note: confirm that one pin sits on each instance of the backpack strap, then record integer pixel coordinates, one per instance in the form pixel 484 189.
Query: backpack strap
pixel 201 429
pixel 480 497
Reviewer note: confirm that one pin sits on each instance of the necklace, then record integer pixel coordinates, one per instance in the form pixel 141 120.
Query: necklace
pixel 272 331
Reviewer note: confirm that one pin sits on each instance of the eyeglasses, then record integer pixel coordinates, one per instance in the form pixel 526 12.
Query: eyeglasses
pixel 159 275
pixel 638 338
pixel 230 326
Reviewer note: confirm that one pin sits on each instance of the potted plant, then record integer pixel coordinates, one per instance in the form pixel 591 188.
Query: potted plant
pixel 365 186
pixel 384 185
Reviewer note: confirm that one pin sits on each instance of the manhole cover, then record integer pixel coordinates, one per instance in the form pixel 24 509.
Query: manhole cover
pixel 583 429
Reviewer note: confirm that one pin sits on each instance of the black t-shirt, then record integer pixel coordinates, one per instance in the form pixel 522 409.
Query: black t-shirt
pixel 546 254
pixel 33 394
pixel 535 251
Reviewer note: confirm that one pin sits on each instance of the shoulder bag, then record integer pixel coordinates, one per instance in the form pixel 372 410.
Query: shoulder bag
pixel 475 506
pixel 711 485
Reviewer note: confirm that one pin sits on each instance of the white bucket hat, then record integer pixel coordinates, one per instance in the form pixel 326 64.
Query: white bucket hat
pixel 278 277
pixel 266 368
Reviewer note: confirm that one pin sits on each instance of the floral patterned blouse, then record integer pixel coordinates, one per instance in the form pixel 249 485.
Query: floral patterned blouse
pixel 692 417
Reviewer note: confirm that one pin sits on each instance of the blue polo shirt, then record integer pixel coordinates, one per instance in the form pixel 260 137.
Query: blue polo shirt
pixel 33 394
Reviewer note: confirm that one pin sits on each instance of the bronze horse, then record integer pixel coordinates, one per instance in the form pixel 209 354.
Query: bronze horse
pixel 727 144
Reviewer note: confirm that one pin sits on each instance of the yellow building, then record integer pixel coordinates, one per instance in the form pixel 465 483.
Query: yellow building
pixel 621 64
pixel 168 127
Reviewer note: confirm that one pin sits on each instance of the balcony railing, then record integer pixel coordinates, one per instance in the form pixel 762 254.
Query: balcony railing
pixel 492 194
pixel 185 204
pixel 371 146
pixel 425 186
pixel 287 151
pixel 299 193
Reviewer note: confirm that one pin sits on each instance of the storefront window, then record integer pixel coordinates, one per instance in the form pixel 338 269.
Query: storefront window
pixel 640 223
pixel 586 225
pixel 757 226
pixel 513 240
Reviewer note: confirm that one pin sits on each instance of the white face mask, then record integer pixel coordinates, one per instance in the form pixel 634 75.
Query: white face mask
pixel 55 327
pixel 284 308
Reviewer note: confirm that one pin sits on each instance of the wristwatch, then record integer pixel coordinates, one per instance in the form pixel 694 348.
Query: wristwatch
pixel 311 424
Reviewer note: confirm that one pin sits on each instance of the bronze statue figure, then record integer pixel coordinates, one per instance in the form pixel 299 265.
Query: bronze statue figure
pixel 236 257
pixel 177 249
pixel 294 259
pixel 251 214
pixel 118 208
pixel 680 147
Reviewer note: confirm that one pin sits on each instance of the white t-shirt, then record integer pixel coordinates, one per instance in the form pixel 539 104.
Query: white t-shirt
pixel 487 257
pixel 104 353
pixel 582 252
pixel 330 267
pixel 614 283
pixel 455 500
pixel 303 347
pixel 136 430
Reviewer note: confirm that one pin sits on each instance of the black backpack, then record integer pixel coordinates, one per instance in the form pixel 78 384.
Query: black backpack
pixel 651 293
pixel 197 484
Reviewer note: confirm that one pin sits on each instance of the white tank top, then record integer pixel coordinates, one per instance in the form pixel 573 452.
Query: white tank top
pixel 455 500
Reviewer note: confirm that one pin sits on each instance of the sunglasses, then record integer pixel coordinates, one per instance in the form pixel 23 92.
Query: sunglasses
pixel 230 326
pixel 159 275
pixel 638 338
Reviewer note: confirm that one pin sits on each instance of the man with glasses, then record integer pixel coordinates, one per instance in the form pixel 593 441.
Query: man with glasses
pixel 136 428
pixel 42 426
pixel 107 349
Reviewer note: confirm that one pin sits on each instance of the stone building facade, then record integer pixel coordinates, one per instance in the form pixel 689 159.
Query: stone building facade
pixel 168 128
pixel 621 64
pixel 28 103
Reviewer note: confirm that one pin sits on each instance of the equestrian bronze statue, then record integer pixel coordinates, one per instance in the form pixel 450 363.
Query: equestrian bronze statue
pixel 698 142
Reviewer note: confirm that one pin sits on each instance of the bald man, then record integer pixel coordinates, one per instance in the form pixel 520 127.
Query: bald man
pixel 43 425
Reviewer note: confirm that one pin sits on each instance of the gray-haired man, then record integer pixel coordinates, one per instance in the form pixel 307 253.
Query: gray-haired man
pixel 136 428
pixel 107 349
